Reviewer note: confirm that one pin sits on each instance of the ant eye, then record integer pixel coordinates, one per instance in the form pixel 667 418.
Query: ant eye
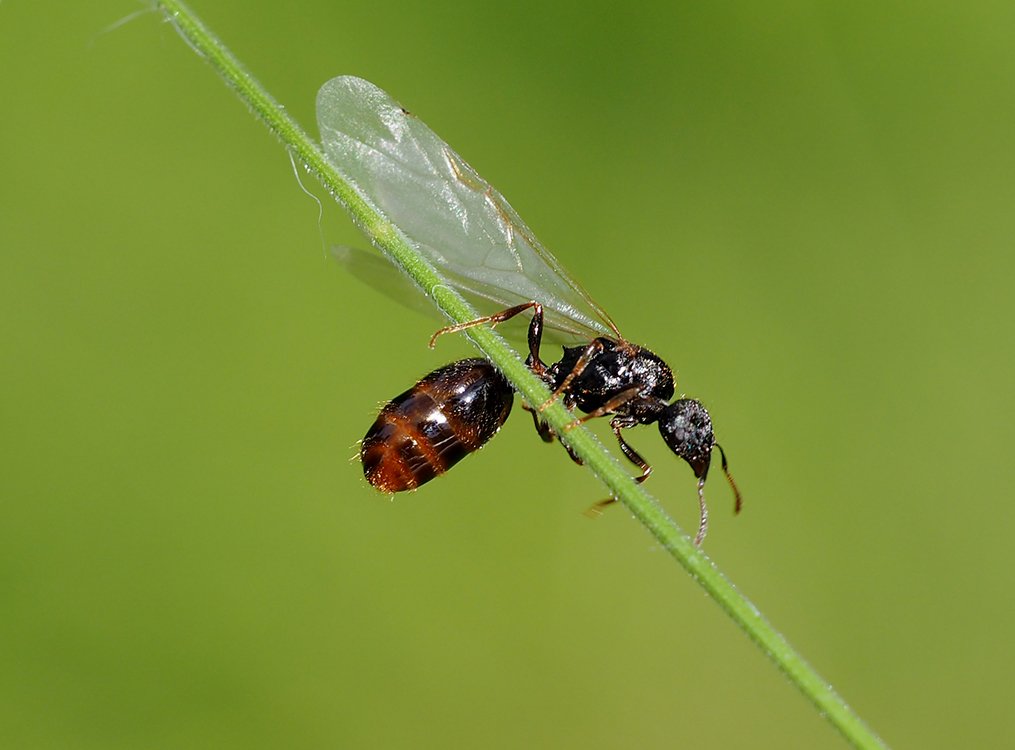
pixel 687 430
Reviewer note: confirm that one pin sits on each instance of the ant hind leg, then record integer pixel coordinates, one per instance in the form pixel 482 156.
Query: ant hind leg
pixel 535 337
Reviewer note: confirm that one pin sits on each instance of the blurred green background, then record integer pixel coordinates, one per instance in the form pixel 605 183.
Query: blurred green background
pixel 805 208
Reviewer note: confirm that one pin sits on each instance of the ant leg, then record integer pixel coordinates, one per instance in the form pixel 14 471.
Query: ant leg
pixel 535 330
pixel 542 428
pixel 491 319
pixel 548 435
pixel 632 455
pixel 596 510
pixel 609 407
pixel 574 456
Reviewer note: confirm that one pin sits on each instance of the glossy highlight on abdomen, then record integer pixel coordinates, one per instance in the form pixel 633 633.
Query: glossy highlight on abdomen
pixel 447 415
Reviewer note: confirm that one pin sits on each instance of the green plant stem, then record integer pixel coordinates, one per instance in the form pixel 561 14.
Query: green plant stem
pixel 391 240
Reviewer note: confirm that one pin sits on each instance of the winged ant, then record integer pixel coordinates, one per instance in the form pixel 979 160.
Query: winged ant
pixel 465 228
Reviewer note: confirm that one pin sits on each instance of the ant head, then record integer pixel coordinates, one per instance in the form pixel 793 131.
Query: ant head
pixel 687 430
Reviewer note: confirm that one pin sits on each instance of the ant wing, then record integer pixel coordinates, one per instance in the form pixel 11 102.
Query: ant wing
pixel 383 277
pixel 449 213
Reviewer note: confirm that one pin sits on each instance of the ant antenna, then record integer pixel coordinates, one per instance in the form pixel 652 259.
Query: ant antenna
pixel 703 518
pixel 739 500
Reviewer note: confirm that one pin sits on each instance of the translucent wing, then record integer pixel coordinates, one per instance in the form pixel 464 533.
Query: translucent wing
pixel 450 214
pixel 383 277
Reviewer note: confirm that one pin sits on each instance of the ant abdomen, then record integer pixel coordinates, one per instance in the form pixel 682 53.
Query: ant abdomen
pixel 447 415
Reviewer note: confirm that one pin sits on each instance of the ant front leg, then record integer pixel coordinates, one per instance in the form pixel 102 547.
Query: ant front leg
pixel 535 330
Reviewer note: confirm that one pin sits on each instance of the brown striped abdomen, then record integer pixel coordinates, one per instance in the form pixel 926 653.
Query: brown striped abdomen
pixel 425 431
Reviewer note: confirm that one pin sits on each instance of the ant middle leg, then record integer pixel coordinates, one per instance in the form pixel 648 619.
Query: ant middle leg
pixel 542 428
pixel 548 435
pixel 632 455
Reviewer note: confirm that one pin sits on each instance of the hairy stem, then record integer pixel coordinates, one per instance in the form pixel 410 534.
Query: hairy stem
pixel 581 441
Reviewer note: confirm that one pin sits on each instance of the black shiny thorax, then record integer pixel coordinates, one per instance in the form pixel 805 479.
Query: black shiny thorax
pixel 614 368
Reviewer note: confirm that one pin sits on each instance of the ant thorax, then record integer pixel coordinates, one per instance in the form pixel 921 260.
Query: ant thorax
pixel 613 369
